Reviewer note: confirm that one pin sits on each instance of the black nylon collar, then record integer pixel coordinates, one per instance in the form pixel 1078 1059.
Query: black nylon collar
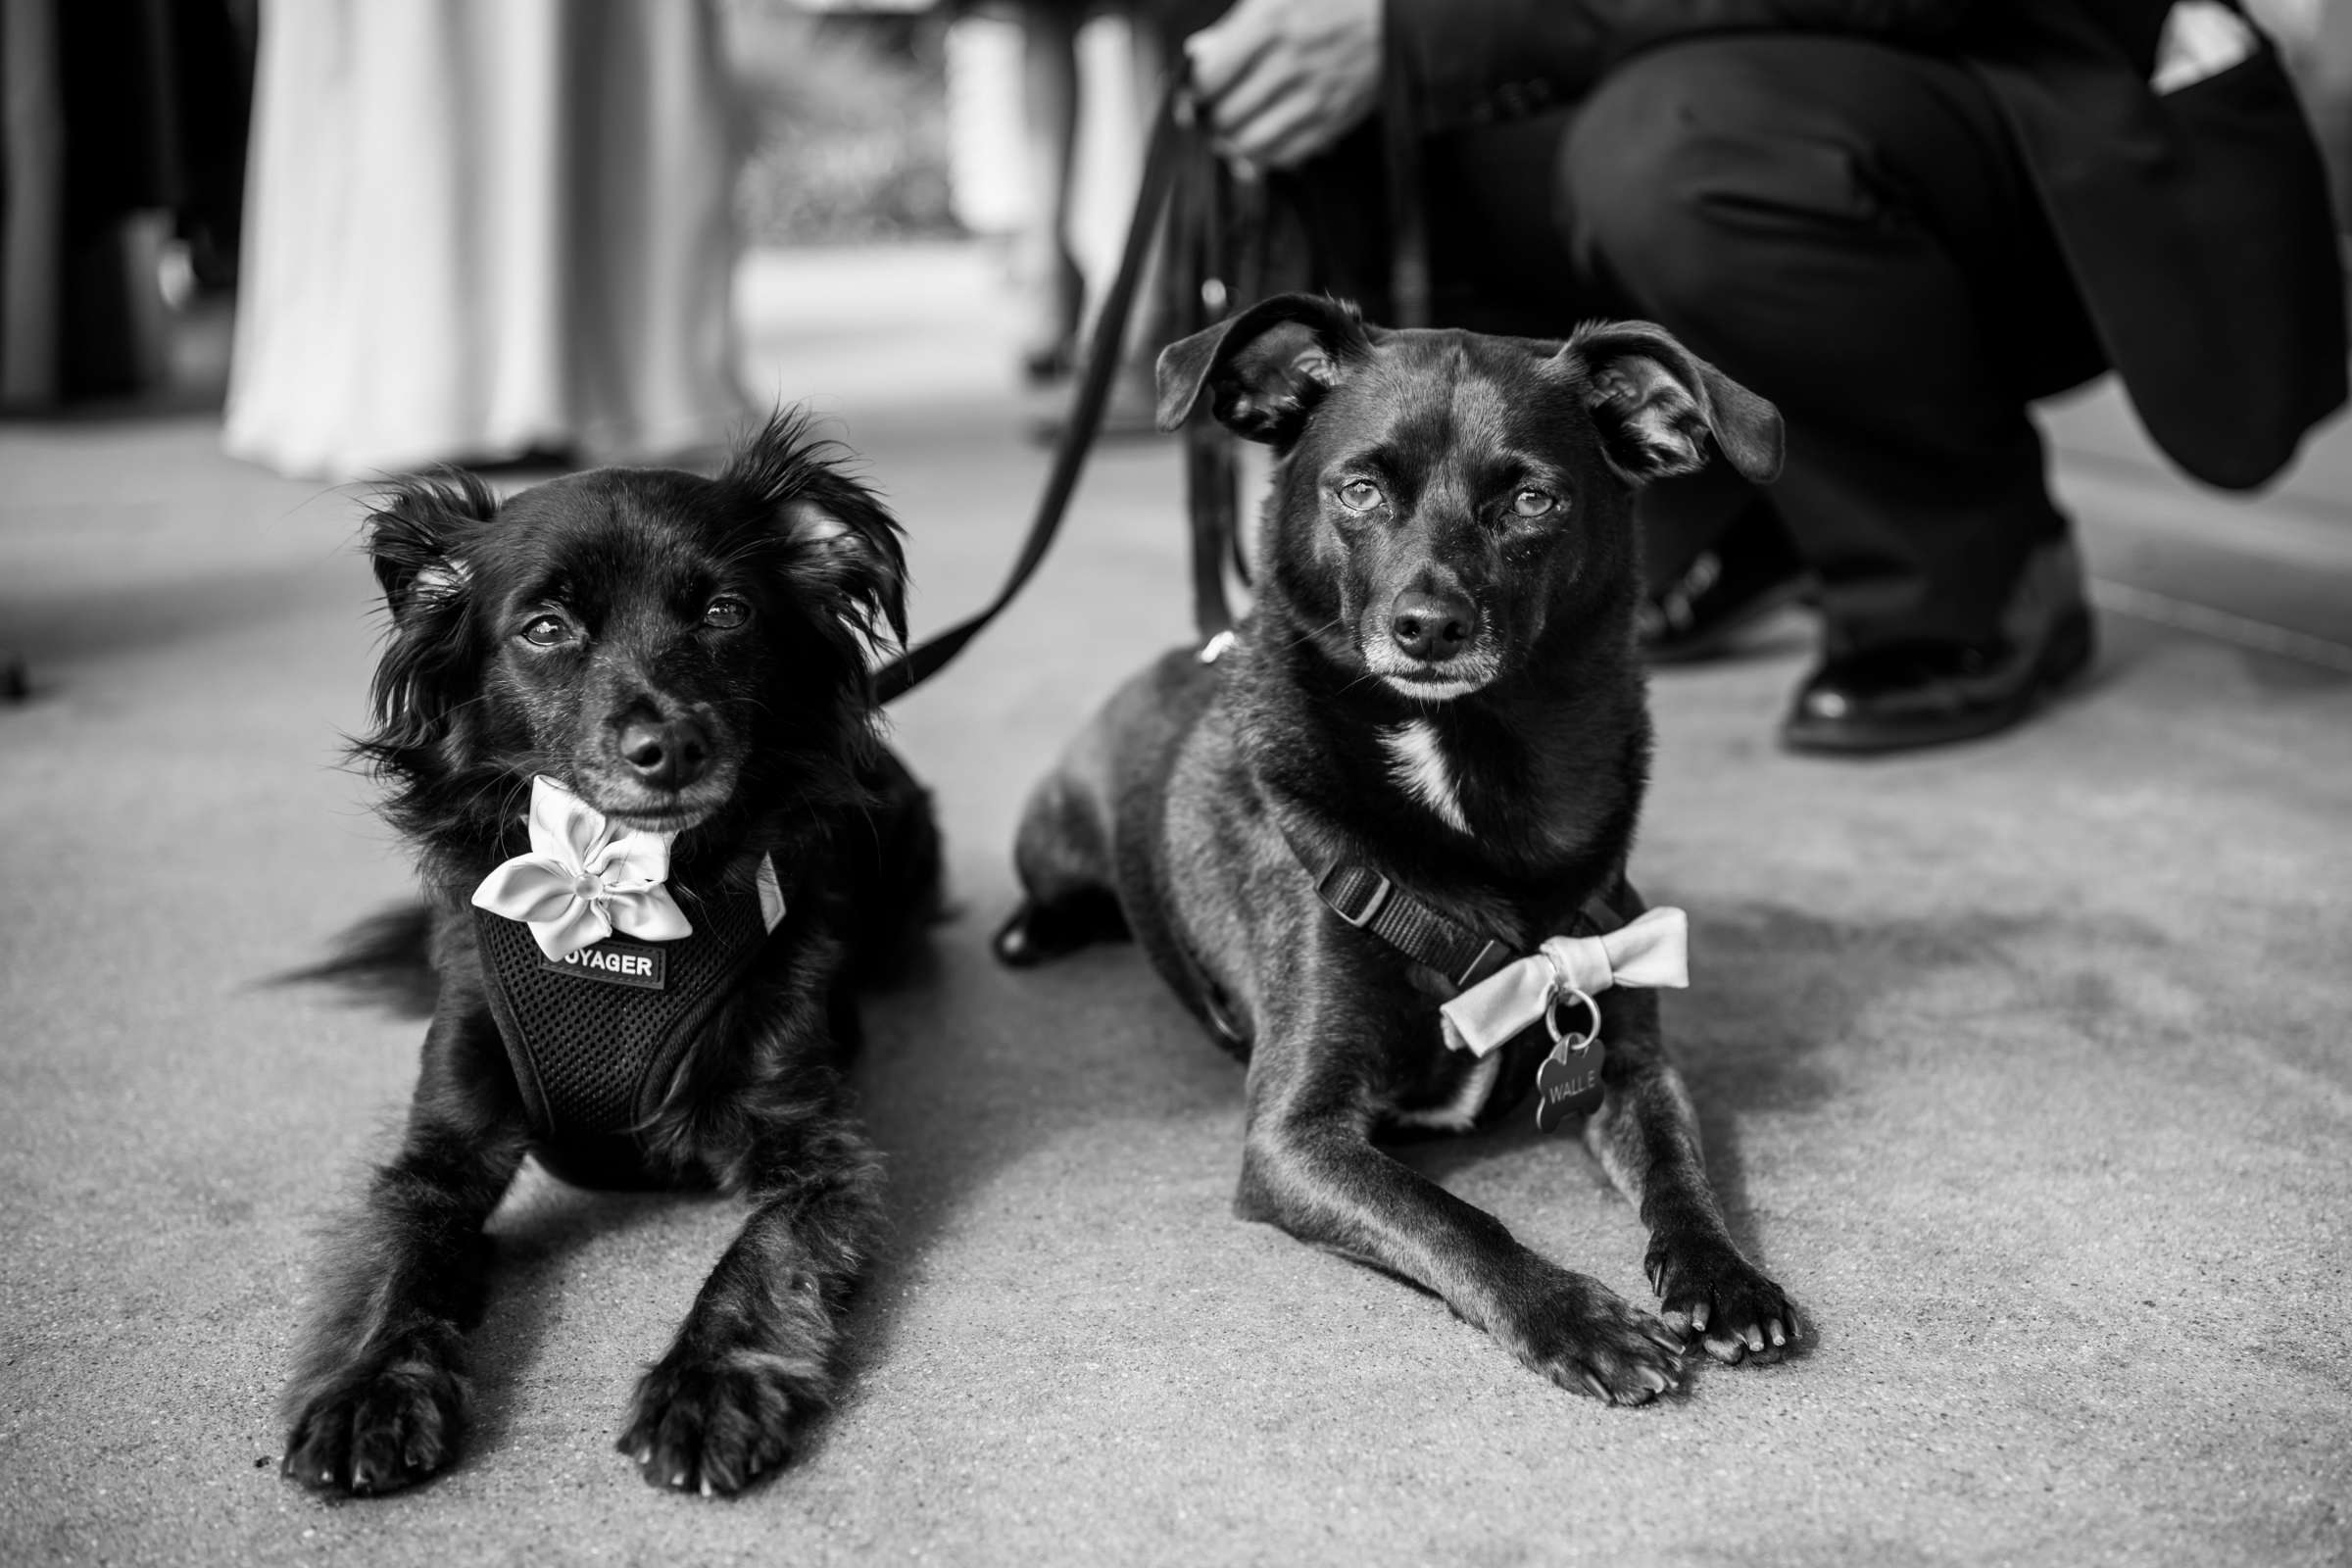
pixel 1371 901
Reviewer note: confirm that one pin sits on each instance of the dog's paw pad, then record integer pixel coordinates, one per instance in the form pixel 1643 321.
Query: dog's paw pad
pixel 1587 1338
pixel 379 1431
pixel 1712 1293
pixel 714 1426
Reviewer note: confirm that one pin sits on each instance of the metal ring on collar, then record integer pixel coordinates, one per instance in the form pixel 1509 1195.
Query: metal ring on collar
pixel 1560 996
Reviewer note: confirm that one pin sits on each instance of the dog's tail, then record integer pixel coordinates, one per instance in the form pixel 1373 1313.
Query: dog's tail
pixel 385 960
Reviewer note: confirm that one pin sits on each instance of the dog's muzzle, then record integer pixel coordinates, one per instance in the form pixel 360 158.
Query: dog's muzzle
pixel 1429 648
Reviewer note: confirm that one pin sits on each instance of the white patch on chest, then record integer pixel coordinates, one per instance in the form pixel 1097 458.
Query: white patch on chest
pixel 1417 763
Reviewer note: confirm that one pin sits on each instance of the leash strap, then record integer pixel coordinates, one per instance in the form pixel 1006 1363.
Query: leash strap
pixel 1217 248
pixel 1216 254
pixel 1161 165
pixel 1212 478
pixel 1410 284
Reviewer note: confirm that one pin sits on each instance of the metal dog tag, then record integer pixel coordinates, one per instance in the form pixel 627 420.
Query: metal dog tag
pixel 1568 1081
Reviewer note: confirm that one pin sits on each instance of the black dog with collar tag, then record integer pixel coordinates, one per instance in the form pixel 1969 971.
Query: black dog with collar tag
pixel 1425 747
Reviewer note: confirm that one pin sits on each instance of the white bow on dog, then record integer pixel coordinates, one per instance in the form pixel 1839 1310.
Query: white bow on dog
pixel 1652 950
pixel 581 881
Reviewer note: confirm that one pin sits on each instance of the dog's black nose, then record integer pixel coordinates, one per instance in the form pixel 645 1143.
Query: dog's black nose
pixel 1432 627
pixel 669 754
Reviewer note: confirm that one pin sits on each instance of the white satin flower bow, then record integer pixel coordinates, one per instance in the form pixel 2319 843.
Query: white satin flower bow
pixel 1652 951
pixel 581 881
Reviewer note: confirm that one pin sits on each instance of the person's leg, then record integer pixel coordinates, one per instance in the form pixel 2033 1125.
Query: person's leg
pixel 1716 555
pixel 1051 284
pixel 1847 229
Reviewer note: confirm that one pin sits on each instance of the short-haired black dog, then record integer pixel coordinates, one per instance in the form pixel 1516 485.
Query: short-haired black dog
pixel 627 721
pixel 1422 757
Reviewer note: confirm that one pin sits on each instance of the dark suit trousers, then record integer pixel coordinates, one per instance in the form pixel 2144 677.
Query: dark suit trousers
pixel 1847 229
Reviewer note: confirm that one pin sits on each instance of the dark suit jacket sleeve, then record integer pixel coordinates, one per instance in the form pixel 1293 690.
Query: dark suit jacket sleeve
pixel 1475 61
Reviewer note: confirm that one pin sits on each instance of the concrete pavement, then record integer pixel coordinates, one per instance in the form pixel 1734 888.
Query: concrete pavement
pixel 2023 1065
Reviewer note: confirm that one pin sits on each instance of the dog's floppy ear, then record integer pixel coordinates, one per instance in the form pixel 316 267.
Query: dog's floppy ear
pixel 416 539
pixel 1265 369
pixel 837 536
pixel 1656 403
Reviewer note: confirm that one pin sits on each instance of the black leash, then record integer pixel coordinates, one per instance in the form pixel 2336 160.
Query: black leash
pixel 1216 251
pixel 1217 255
pixel 1162 162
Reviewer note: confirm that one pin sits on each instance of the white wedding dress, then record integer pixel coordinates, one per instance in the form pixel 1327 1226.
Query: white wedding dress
pixel 477 228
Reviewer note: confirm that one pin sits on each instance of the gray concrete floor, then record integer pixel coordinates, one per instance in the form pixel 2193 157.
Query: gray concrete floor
pixel 2023 1065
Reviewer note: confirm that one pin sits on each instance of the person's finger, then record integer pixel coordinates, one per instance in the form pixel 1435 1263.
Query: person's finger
pixel 1252 136
pixel 1294 127
pixel 1290 131
pixel 1310 139
pixel 1218 56
pixel 1269 84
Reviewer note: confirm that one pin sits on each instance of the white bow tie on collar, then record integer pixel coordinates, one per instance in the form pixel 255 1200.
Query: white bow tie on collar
pixel 1652 950
pixel 581 881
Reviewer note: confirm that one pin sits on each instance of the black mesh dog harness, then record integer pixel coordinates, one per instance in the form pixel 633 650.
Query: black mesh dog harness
pixel 596 1038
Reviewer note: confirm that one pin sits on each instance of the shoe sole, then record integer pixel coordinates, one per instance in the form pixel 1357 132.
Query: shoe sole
pixel 2069 653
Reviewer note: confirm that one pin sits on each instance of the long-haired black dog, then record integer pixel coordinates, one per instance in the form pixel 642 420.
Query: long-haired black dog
pixel 684 659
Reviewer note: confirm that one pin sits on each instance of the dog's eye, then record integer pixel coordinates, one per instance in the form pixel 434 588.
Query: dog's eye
pixel 726 613
pixel 1532 503
pixel 1360 495
pixel 545 631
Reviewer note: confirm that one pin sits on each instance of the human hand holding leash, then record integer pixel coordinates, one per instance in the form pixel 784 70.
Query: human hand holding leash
pixel 1281 80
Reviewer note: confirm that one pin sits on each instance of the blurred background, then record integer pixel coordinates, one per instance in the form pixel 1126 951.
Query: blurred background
pixel 865 123
pixel 857 151
pixel 854 123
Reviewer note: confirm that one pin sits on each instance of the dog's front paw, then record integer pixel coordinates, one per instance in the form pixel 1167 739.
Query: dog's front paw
pixel 1707 1288
pixel 1587 1339
pixel 716 1424
pixel 379 1427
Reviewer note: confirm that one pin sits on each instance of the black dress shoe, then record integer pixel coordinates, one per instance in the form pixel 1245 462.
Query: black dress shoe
pixel 1726 589
pixel 1903 695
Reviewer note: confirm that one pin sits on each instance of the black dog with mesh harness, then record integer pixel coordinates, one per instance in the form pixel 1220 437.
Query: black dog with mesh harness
pixel 628 723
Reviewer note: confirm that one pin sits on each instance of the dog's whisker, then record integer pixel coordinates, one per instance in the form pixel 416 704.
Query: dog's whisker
pixel 1312 633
